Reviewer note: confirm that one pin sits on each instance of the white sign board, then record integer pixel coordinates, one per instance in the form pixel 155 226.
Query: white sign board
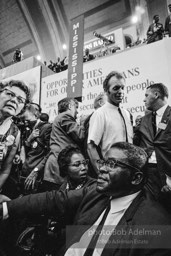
pixel 31 78
pixel 141 66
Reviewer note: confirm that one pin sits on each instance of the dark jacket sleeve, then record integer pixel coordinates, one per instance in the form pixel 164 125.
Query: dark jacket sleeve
pixel 54 203
pixel 73 129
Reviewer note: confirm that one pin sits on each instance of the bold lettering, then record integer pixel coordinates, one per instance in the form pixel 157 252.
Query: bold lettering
pixel 73 82
pixel 75 38
pixel 75 26
pixel 74 56
pixel 75 44
pixel 74 63
pixel 73 75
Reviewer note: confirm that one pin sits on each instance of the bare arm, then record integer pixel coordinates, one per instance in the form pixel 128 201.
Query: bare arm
pixel 6 168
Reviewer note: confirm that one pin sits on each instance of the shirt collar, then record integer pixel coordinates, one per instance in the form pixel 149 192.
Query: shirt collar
pixel 161 110
pixel 111 105
pixel 122 203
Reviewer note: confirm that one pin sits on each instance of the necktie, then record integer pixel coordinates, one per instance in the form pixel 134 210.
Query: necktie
pixel 90 249
pixel 120 112
pixel 154 122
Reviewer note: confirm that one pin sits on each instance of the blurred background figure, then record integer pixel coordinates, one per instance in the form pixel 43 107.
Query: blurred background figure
pixel 18 55
pixel 137 122
pixel 155 31
pixel 87 56
pixel 168 22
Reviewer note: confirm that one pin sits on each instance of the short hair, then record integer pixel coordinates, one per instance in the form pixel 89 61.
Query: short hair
pixel 161 88
pixel 97 99
pixel 29 107
pixel 155 16
pixel 63 104
pixel 19 84
pixel 108 77
pixel 39 107
pixel 136 156
pixel 64 158
pixel 44 117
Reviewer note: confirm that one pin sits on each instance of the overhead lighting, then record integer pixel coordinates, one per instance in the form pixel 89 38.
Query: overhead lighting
pixel 139 9
pixel 64 46
pixel 38 57
pixel 134 19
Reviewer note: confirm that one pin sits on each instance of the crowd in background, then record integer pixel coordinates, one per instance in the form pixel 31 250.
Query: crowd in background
pixel 68 156
pixel 100 172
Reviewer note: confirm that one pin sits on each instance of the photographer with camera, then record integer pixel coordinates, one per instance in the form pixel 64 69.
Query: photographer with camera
pixel 36 147
pixel 155 31
pixel 18 55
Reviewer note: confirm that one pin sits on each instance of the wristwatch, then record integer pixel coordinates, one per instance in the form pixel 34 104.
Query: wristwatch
pixel 36 169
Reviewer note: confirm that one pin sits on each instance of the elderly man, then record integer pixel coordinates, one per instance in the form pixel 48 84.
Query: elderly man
pixel 110 123
pixel 154 136
pixel 117 202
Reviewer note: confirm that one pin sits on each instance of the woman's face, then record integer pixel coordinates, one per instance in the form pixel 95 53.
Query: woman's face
pixel 12 101
pixel 77 169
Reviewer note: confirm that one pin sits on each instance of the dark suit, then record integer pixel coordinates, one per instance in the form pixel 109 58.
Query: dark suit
pixel 65 131
pixel 156 35
pixel 161 142
pixel 168 25
pixel 37 149
pixel 86 205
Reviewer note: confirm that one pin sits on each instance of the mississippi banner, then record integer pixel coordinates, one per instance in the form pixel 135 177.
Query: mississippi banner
pixel 75 65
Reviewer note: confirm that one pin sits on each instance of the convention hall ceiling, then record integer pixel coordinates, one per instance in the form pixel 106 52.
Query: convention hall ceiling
pixel 41 27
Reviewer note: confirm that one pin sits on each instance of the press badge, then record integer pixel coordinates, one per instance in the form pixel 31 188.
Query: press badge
pixel 162 126
pixel 34 145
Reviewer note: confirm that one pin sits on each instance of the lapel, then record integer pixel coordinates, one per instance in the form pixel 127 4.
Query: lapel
pixel 122 227
pixel 165 119
pixel 146 125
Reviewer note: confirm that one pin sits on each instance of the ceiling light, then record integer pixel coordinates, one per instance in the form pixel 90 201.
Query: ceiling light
pixel 38 57
pixel 64 46
pixel 134 19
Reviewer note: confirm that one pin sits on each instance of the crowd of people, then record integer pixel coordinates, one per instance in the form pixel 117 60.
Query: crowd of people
pixel 99 174
pixel 97 187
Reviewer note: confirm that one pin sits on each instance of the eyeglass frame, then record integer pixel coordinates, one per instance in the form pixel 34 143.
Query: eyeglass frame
pixel 20 99
pixel 84 162
pixel 116 162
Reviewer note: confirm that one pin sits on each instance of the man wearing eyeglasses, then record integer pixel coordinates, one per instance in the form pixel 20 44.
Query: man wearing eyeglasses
pixel 113 217
pixel 14 95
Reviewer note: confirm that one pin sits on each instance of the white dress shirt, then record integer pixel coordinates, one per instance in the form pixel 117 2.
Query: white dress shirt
pixel 118 208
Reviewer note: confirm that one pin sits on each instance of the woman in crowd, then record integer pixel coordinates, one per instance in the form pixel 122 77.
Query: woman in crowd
pixel 74 167
pixel 13 97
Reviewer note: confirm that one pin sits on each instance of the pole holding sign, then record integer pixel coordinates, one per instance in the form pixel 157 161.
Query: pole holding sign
pixel 75 64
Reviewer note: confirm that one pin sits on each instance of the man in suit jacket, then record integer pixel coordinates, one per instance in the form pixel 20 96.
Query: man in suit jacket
pixel 36 147
pixel 168 22
pixel 156 143
pixel 65 131
pixel 133 215
pixel 155 30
